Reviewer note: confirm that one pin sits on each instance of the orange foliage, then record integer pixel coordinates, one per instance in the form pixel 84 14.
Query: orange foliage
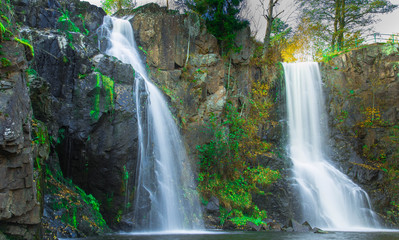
pixel 372 118
pixel 306 44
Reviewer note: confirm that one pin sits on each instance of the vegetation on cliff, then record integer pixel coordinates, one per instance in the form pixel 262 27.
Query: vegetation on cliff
pixel 221 17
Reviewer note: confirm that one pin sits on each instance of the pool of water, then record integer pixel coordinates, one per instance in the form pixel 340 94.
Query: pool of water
pixel 251 236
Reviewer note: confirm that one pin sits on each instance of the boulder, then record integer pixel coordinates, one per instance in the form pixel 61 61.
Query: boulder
pixel 213 205
pixel 253 227
pixel 297 227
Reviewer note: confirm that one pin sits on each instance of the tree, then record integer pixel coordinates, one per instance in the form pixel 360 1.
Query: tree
pixel 306 44
pixel 221 17
pixel 111 6
pixel 344 16
pixel 268 15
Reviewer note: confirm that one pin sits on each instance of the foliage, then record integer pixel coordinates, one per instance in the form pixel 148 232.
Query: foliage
pixel 372 118
pixel 306 43
pixel 40 144
pixel 228 167
pixel 340 17
pixel 105 86
pixel 5 62
pixel 7 24
pixel 241 219
pixel 74 204
pixel 221 17
pixel 111 6
pixel 67 23
pixel 27 43
pixel 68 26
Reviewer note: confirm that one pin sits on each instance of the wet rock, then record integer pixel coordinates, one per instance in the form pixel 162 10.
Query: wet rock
pixel 253 227
pixel 213 205
pixel 211 222
pixel 297 227
pixel 288 229
pixel 229 225
pixel 273 226
pixel 307 225
pixel 318 230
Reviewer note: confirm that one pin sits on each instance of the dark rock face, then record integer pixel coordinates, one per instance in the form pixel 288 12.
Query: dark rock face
pixel 19 204
pixel 85 100
pixel 363 107
pixel 96 130
pixel 44 14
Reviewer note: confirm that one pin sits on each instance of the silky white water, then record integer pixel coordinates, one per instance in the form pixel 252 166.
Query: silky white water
pixel 165 195
pixel 329 199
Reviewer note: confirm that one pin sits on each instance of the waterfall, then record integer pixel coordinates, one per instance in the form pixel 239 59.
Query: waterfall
pixel 165 194
pixel 329 198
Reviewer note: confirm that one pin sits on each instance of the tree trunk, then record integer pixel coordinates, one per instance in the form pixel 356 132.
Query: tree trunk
pixel 341 26
pixel 119 4
pixel 336 20
pixel 266 40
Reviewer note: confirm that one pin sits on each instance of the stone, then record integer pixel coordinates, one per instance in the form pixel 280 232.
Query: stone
pixel 213 205
pixel 206 60
pixel 244 45
pixel 252 226
pixel 297 227
pixel 16 163
pixel 318 230
pixel 275 226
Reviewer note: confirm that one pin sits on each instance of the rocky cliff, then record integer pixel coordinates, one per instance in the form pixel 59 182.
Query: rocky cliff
pixel 20 210
pixel 363 105
pixel 185 61
pixel 84 125
pixel 82 102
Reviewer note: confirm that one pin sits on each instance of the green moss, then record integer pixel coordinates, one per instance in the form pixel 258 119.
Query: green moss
pixel 65 59
pixel 40 144
pixel 107 85
pixel 95 113
pixel 77 206
pixel 389 49
pixel 31 71
pixel 86 32
pixel 5 62
pixel 66 22
pixel 125 177
pixel 26 42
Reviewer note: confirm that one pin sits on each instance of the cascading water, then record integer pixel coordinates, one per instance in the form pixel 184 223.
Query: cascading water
pixel 329 198
pixel 165 196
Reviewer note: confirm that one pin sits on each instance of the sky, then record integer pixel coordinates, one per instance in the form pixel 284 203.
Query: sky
pixel 388 23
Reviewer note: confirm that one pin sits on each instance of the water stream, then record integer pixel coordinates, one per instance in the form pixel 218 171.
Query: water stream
pixel 330 200
pixel 165 196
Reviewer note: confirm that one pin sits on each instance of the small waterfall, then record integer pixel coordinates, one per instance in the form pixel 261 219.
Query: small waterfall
pixel 165 195
pixel 329 198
